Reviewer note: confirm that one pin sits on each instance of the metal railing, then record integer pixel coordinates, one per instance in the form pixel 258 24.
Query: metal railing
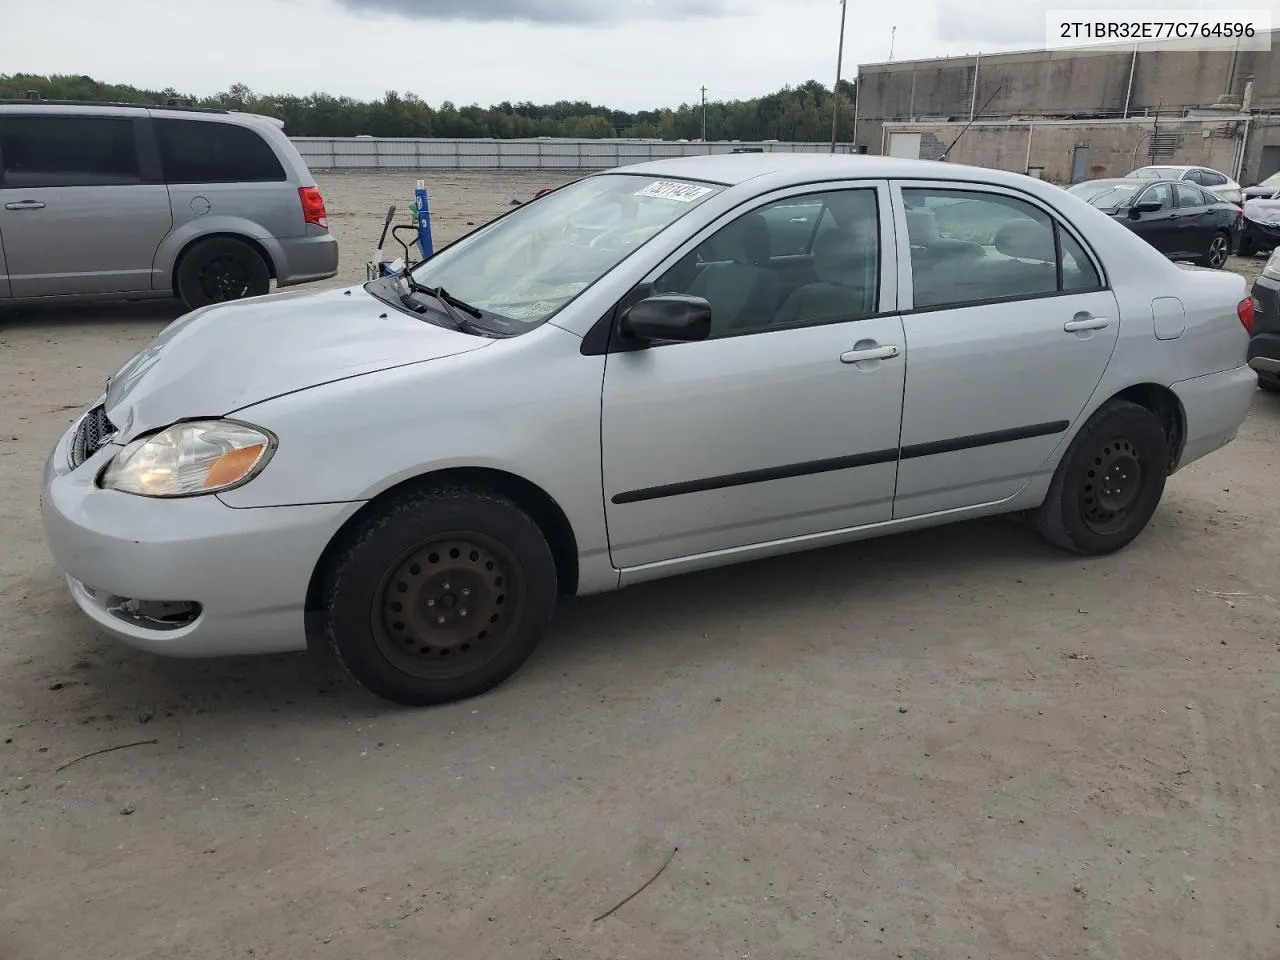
pixel 386 153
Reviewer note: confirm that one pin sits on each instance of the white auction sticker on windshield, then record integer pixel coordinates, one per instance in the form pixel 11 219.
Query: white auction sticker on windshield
pixel 681 192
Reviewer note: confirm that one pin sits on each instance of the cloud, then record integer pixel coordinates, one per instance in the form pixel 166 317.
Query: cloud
pixel 542 11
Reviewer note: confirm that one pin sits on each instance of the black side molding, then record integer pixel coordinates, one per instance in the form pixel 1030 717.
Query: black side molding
pixel 915 450
pixel 757 476
pixel 811 467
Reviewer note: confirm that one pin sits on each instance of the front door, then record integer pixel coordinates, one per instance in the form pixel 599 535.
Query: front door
pixel 76 209
pixel 1159 227
pixel 1004 350
pixel 784 423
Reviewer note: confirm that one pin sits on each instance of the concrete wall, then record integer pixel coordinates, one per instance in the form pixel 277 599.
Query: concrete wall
pixel 1073 83
pixel 1113 147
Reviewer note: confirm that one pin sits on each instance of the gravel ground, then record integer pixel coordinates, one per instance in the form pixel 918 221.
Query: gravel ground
pixel 953 744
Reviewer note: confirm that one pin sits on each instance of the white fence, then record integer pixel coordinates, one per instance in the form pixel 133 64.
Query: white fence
pixel 386 153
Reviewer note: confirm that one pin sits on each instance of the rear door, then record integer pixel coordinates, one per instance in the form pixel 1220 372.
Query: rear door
pixel 221 170
pixel 82 205
pixel 1005 344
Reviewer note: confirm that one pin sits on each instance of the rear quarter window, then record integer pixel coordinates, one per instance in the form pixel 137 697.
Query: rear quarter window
pixel 201 151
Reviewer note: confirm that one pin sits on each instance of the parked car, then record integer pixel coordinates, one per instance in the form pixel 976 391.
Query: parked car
pixel 1264 347
pixel 1214 181
pixel 418 466
pixel 1260 231
pixel 1180 220
pixel 1268 187
pixel 108 201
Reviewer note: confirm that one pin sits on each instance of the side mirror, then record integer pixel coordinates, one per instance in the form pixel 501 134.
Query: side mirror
pixel 1147 206
pixel 667 316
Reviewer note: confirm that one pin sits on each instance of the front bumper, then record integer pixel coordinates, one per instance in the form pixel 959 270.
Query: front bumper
pixel 1259 236
pixel 246 570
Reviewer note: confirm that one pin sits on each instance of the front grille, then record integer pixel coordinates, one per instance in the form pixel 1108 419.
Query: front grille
pixel 93 432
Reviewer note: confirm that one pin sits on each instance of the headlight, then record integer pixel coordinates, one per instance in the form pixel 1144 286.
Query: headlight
pixel 1272 270
pixel 190 459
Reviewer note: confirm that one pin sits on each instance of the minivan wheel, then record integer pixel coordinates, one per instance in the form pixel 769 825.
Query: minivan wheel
pixel 221 269
pixel 439 596
pixel 1218 251
pixel 1109 483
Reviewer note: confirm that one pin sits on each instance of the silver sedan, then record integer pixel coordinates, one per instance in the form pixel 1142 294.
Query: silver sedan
pixel 652 370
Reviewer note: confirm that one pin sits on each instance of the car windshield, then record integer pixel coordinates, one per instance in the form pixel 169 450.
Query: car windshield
pixel 524 267
pixel 1272 181
pixel 1106 196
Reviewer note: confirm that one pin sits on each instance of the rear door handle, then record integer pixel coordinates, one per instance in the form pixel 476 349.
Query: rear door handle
pixel 871 353
pixel 1086 323
pixel 25 205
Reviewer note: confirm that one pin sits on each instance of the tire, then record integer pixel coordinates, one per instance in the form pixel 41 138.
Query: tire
pixel 1247 249
pixel 1217 252
pixel 219 270
pixel 1269 382
pixel 1120 440
pixel 439 596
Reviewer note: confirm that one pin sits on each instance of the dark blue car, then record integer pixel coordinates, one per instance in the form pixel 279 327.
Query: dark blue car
pixel 1179 219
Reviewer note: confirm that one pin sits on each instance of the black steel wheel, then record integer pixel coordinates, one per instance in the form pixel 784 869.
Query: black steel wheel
pixel 438 595
pixel 1215 256
pixel 1109 483
pixel 449 606
pixel 219 270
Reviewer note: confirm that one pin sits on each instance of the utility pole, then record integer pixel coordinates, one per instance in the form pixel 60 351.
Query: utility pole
pixel 704 114
pixel 835 91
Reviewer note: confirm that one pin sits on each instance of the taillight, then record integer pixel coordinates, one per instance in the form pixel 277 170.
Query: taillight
pixel 1239 214
pixel 313 207
pixel 1244 310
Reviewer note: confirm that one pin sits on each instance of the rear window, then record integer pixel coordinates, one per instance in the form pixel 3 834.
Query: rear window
pixel 199 151
pixel 54 151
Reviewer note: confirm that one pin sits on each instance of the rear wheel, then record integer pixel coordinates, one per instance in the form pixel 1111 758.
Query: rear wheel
pixel 1219 249
pixel 1109 483
pixel 221 269
pixel 439 596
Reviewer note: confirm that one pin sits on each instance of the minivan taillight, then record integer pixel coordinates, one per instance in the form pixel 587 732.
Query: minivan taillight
pixel 1244 310
pixel 313 207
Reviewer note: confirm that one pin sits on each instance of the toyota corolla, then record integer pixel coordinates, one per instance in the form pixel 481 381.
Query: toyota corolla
pixel 655 369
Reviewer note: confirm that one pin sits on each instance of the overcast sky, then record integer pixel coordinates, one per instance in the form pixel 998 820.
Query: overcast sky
pixel 630 54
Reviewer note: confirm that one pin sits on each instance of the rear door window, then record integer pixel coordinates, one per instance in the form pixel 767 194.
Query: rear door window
pixel 63 151
pixel 203 151
pixel 1189 196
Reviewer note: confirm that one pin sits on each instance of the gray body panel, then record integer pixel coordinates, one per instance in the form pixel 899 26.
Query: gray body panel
pixel 801 443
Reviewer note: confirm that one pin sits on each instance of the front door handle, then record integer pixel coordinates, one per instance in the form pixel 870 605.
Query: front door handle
pixel 25 205
pixel 870 353
pixel 1086 323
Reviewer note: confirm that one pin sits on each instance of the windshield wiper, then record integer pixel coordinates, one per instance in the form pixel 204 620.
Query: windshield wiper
pixel 450 303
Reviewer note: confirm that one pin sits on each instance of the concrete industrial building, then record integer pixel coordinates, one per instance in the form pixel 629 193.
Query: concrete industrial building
pixel 1071 115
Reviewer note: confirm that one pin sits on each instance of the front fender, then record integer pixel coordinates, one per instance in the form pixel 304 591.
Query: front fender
pixel 528 406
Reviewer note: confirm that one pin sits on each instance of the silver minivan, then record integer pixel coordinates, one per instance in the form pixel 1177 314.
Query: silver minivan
pixel 108 201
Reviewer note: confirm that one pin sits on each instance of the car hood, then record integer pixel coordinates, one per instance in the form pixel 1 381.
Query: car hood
pixel 1262 211
pixel 219 359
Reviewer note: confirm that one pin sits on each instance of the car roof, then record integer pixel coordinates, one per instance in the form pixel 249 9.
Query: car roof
pixel 68 108
pixel 783 169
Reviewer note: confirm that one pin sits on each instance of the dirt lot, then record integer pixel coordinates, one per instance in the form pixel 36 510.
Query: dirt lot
pixel 957 744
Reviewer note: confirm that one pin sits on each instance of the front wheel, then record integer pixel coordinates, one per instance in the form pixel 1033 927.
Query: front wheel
pixel 1219 249
pixel 1109 483
pixel 1269 382
pixel 439 596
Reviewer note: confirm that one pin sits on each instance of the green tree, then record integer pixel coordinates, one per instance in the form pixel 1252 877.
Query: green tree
pixel 793 113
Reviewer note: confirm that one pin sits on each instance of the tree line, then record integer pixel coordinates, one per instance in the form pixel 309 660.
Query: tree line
pixel 801 113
